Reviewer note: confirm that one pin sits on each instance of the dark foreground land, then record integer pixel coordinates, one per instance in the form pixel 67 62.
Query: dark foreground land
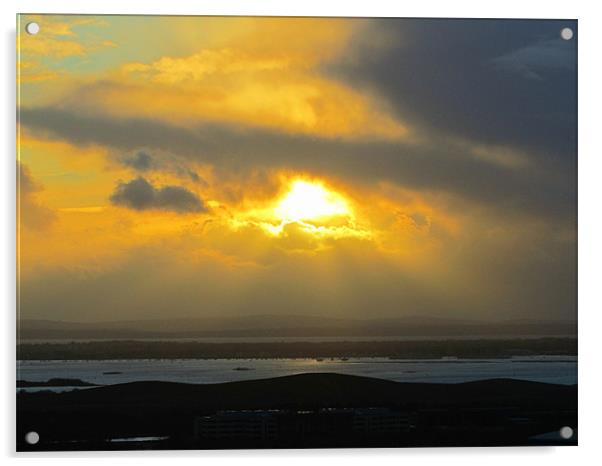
pixel 302 411
pixel 54 383
pixel 423 349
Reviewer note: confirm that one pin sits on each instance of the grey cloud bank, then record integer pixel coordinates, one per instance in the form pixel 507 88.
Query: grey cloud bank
pixel 139 194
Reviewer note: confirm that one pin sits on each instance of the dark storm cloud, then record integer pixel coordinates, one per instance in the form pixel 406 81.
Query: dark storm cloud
pixel 144 161
pixel 139 194
pixel 544 189
pixel 446 75
pixel 141 161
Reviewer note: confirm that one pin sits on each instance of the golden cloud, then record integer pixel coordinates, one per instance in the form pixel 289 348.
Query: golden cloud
pixel 269 77
pixel 56 40
pixel 31 71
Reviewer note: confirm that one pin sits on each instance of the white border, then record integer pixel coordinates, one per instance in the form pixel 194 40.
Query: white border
pixel 436 8
pixel 590 226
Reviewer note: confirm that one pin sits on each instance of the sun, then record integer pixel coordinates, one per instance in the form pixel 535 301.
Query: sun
pixel 307 206
pixel 310 201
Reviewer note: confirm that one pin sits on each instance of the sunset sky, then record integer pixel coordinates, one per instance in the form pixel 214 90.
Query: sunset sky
pixel 362 168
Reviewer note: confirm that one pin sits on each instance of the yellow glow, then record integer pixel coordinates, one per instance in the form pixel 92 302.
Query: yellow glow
pixel 310 201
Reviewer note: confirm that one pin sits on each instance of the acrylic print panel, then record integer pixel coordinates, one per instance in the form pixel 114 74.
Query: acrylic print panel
pixel 246 232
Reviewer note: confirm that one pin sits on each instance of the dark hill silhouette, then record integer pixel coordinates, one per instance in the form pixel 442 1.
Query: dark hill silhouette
pixel 470 413
pixel 309 390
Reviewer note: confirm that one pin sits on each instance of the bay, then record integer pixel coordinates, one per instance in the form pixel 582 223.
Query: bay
pixel 549 369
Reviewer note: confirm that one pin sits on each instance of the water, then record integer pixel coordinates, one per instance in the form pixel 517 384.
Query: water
pixel 550 369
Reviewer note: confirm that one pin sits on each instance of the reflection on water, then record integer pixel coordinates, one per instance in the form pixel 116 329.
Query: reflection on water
pixel 551 369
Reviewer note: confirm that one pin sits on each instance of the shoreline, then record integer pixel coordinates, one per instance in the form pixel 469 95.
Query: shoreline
pixel 379 360
pixel 395 349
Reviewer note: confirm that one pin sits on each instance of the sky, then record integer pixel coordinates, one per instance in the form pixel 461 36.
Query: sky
pixel 232 166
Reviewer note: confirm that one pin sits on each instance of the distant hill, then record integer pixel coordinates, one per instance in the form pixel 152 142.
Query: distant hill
pixel 286 326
